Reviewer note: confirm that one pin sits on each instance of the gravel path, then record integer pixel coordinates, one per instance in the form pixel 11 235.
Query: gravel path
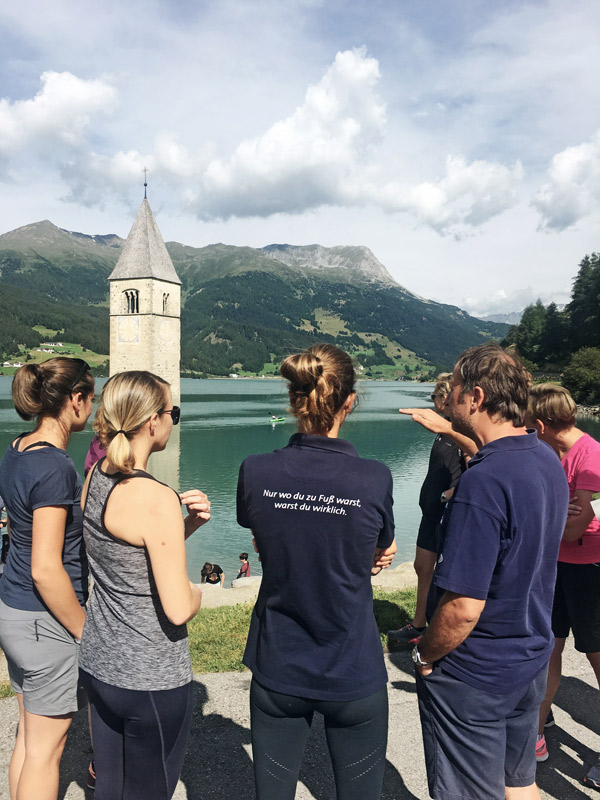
pixel 219 765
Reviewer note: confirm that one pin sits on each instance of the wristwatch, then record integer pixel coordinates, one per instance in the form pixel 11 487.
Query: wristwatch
pixel 416 657
pixel 443 497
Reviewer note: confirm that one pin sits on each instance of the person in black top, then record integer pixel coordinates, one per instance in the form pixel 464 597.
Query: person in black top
pixel 212 574
pixel 446 465
pixel 322 518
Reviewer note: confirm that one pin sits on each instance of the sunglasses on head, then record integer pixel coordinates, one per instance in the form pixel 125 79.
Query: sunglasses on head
pixel 85 367
pixel 175 413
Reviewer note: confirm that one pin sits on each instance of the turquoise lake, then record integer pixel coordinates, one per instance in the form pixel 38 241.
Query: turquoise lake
pixel 223 421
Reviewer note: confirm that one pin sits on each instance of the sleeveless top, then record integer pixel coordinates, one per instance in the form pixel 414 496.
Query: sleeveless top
pixel 128 640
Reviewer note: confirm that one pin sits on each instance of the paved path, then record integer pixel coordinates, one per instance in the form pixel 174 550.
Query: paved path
pixel 219 767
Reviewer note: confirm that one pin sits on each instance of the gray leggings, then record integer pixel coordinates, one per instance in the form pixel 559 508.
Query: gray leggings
pixel 356 736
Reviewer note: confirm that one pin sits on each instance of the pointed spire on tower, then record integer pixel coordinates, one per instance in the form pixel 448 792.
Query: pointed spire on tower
pixel 144 254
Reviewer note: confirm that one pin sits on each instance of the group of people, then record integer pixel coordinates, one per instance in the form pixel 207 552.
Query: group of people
pixel 213 575
pixel 486 559
pixel 490 542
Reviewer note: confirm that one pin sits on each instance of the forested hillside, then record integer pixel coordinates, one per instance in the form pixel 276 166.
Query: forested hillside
pixel 242 309
pixel 566 341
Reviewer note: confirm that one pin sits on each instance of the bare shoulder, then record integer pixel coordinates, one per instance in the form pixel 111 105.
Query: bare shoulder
pixel 148 495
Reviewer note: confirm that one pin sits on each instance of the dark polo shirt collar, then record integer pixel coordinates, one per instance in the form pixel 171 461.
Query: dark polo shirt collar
pixel 505 445
pixel 323 443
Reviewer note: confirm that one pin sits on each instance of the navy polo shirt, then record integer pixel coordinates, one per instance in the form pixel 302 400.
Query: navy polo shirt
pixel 501 534
pixel 318 512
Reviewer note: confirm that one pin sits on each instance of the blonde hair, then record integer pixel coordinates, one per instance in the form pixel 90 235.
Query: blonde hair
pixel 553 405
pixel 129 399
pixel 41 390
pixel 442 383
pixel 320 381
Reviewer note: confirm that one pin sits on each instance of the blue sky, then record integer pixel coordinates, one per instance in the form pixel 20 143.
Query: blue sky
pixel 459 141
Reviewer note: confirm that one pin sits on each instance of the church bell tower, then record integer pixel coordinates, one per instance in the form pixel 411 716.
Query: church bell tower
pixel 145 305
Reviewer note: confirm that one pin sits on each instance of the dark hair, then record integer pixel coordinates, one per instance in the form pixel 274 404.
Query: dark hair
pixel 206 569
pixel 243 556
pixel 41 390
pixel 501 375
pixel 321 380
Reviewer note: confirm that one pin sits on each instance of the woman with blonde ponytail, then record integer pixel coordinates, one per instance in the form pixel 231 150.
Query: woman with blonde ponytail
pixel 135 661
pixel 44 586
pixel 322 519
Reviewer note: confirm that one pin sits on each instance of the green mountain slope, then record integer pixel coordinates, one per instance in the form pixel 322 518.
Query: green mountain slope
pixel 242 307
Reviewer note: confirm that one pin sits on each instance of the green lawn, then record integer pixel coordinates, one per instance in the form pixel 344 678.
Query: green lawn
pixel 218 635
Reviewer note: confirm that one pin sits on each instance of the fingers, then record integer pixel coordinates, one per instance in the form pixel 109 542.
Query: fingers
pixel 197 505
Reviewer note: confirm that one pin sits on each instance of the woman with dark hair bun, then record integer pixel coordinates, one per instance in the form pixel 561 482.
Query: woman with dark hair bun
pixel 321 518
pixel 44 586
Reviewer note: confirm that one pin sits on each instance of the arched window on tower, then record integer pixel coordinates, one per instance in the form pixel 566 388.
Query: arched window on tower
pixel 165 303
pixel 131 301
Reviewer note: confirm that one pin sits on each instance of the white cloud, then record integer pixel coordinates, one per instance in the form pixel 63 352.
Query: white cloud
pixel 466 197
pixel 501 301
pixel 324 154
pixel 309 159
pixel 573 189
pixel 60 114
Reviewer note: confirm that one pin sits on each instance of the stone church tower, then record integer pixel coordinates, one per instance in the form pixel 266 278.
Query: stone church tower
pixel 145 305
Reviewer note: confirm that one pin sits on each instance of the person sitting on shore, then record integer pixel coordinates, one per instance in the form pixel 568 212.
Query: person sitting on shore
pixel 212 575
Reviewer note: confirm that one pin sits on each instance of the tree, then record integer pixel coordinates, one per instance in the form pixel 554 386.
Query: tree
pixel 552 345
pixel 582 376
pixel 528 334
pixel 584 308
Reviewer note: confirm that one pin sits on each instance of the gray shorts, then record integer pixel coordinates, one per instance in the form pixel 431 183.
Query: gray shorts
pixel 42 659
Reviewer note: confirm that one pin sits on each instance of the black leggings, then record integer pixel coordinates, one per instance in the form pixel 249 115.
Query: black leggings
pixel 140 739
pixel 356 736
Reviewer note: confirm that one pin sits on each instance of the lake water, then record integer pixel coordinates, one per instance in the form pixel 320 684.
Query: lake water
pixel 223 421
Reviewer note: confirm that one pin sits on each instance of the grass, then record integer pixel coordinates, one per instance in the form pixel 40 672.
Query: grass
pixel 72 349
pixel 6 690
pixel 217 636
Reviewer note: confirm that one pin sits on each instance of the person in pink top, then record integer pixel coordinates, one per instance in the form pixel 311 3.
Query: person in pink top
pixel 577 597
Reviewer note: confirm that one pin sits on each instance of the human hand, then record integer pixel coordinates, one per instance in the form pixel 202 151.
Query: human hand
pixel 383 558
pixel 428 418
pixel 574 510
pixel 198 508
pixel 424 671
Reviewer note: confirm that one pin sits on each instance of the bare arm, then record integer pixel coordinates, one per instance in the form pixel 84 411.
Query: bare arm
pixel 164 538
pixel 454 619
pixel 577 524
pixel 146 513
pixel 47 570
pixel 435 423
pixel 222 578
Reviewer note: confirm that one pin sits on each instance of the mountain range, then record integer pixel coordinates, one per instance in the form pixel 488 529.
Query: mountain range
pixel 243 309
